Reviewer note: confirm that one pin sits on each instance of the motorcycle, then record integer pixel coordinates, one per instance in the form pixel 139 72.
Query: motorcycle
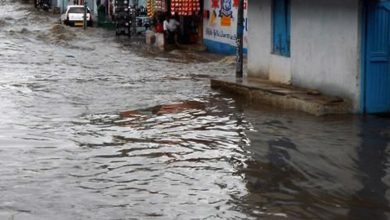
pixel 43 4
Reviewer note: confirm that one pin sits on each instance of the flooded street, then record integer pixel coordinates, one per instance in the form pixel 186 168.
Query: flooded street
pixel 94 127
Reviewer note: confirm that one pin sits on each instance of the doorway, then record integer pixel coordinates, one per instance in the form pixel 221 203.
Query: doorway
pixel 376 76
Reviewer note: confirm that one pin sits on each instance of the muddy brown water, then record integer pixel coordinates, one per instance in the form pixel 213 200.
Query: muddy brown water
pixel 94 127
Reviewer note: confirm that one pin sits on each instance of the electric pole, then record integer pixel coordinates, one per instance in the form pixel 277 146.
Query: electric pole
pixel 240 41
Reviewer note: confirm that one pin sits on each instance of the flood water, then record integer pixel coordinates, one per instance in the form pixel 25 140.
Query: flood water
pixel 94 127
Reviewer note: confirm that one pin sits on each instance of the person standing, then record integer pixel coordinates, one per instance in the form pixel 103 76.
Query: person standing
pixel 170 28
pixel 165 28
pixel 111 10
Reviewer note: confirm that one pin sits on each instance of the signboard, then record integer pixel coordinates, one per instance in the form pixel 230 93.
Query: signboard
pixel 221 26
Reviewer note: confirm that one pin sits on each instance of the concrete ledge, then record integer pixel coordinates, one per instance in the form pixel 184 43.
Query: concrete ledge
pixel 284 96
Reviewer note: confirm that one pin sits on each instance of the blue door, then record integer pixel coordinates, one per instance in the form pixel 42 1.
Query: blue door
pixel 377 57
pixel 281 20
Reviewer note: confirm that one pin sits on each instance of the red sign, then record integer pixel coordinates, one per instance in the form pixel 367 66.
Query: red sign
pixel 185 7
pixel 214 3
pixel 236 2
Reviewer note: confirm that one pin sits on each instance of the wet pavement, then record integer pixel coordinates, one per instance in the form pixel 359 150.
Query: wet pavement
pixel 94 127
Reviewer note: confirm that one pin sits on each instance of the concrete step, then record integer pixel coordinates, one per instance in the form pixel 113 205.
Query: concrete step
pixel 284 96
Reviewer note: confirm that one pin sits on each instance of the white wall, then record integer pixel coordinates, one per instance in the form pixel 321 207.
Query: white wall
pixel 259 38
pixel 62 4
pixel 325 49
pixel 325 41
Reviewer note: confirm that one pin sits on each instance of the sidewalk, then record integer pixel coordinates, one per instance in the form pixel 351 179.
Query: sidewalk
pixel 284 96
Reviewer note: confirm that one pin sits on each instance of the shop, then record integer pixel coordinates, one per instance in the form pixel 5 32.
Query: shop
pixel 187 12
pixel 190 17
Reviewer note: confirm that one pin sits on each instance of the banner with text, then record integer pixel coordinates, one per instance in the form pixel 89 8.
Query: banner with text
pixel 221 24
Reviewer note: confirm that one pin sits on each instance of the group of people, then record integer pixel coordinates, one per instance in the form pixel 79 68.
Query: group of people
pixel 171 27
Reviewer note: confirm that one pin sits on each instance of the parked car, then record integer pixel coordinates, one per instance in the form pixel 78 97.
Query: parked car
pixel 142 24
pixel 74 16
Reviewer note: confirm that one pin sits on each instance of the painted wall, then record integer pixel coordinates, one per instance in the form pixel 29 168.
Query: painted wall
pixel 219 30
pixel 325 46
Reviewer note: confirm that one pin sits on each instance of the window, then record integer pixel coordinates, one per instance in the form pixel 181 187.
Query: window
pixel 281 27
pixel 76 10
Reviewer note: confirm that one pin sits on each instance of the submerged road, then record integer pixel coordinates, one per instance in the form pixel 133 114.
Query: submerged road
pixel 94 127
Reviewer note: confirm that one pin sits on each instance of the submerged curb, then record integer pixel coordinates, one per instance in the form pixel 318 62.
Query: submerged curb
pixel 284 96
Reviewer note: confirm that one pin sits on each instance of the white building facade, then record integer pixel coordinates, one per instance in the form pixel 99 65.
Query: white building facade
pixel 320 44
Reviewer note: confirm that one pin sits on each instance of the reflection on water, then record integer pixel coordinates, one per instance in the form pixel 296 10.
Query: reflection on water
pixel 333 167
pixel 371 199
pixel 92 127
pixel 170 161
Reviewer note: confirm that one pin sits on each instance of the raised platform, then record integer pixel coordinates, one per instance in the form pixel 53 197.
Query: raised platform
pixel 284 96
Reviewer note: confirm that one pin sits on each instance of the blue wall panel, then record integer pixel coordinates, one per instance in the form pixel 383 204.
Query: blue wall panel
pixel 220 48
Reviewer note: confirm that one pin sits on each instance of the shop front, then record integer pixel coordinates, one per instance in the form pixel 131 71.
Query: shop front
pixel 189 14
pixel 190 17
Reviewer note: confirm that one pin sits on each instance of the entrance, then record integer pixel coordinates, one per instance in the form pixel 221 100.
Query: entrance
pixel 377 57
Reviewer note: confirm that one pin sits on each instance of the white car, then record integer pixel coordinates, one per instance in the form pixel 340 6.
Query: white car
pixel 74 16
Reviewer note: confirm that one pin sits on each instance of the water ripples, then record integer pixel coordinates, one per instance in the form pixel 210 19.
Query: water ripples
pixel 96 127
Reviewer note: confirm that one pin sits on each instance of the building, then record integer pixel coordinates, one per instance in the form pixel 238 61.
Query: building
pixel 339 47
pixel 220 25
